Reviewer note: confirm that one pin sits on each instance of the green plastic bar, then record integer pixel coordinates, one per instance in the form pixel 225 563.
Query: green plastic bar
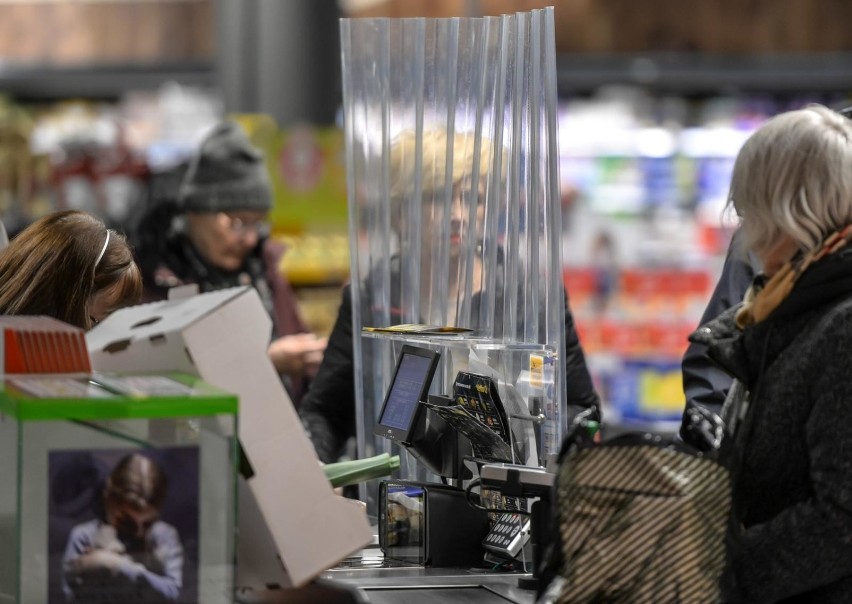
pixel 354 471
pixel 203 400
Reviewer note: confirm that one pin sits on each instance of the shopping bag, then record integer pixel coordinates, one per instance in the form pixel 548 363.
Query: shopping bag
pixel 638 518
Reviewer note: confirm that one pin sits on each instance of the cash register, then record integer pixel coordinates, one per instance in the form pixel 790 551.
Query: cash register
pixel 466 439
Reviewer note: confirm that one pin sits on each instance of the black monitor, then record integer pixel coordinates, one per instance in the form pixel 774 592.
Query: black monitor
pixel 410 385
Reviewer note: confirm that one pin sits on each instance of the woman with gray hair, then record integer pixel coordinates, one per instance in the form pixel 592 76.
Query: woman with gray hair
pixel 789 346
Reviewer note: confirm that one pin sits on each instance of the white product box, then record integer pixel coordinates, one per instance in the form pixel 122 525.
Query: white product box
pixel 222 337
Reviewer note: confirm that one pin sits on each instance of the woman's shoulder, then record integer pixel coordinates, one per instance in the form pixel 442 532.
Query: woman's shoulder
pixel 832 314
pixel 828 331
pixel 834 317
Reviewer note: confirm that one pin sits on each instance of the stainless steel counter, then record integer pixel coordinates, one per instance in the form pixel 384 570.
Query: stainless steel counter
pixel 385 582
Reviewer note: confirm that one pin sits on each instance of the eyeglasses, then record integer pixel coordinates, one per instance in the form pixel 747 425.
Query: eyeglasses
pixel 463 193
pixel 470 197
pixel 241 227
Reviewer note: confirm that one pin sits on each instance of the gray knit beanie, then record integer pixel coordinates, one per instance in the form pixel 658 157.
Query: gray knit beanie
pixel 227 173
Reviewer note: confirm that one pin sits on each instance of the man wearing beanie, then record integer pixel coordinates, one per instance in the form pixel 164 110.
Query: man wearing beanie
pixel 215 235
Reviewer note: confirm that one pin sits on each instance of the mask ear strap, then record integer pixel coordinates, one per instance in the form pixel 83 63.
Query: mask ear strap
pixel 103 250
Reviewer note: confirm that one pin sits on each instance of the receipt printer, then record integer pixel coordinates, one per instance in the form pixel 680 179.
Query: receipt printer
pixel 429 525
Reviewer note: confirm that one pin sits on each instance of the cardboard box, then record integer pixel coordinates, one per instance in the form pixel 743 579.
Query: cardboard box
pixel 222 337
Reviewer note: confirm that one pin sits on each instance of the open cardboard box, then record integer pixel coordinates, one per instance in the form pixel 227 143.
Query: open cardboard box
pixel 287 508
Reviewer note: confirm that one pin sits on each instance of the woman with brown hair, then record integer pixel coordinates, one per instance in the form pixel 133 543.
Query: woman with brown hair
pixel 69 266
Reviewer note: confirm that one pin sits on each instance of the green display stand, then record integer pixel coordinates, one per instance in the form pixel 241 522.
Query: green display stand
pixel 72 446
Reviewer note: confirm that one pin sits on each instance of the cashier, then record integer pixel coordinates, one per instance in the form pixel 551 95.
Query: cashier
pixel 219 238
pixel 328 410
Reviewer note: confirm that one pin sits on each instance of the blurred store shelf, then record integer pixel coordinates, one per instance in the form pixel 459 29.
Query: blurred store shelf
pixel 107 81
pixel 697 73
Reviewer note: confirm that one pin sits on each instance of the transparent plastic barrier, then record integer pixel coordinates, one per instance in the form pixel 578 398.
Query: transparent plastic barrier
pixel 454 202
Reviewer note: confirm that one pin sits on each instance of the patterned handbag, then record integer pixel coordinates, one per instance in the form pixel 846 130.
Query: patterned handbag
pixel 640 519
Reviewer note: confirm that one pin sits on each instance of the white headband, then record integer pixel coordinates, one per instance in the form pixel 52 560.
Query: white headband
pixel 103 250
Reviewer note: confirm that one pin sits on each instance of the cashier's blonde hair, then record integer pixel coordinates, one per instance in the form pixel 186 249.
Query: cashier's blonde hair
pixel 793 177
pixel 436 147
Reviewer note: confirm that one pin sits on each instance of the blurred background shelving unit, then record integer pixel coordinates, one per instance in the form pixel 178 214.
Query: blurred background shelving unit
pixel 702 74
pixel 100 82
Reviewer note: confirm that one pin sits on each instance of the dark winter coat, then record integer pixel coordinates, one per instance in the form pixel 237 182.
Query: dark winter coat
pixel 793 483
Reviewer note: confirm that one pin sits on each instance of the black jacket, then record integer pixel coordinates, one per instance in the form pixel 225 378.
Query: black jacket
pixel 793 483
pixel 704 383
pixel 328 409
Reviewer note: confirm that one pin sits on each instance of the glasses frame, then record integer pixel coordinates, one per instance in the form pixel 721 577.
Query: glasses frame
pixel 239 227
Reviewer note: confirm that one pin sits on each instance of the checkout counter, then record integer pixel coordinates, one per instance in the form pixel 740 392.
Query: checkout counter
pixel 437 546
pixel 383 582
pixel 435 542
pixel 455 223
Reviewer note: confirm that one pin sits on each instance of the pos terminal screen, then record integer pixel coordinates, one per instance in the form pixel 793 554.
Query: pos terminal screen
pixel 410 385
